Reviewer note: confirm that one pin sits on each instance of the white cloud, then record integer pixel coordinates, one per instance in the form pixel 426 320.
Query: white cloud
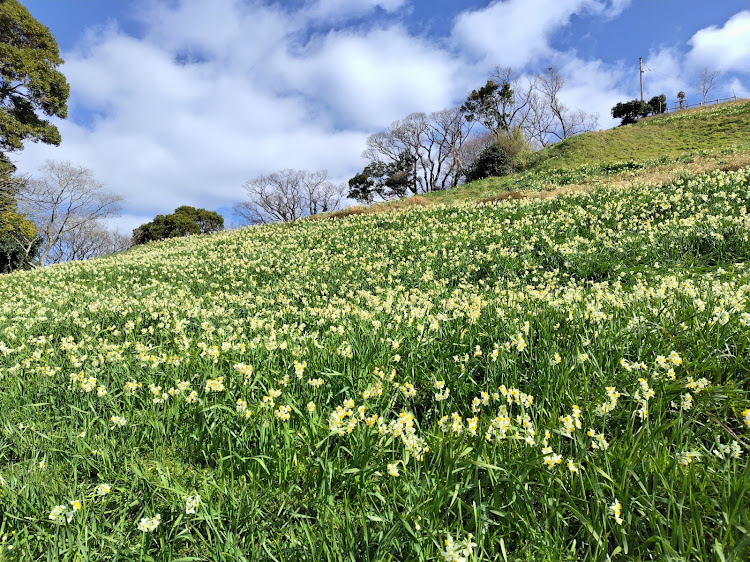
pixel 341 9
pixel 615 8
pixel 517 32
pixel 665 75
pixel 184 115
pixel 125 224
pixel 211 94
pixel 369 79
pixel 738 88
pixel 592 86
pixel 221 30
pixel 724 48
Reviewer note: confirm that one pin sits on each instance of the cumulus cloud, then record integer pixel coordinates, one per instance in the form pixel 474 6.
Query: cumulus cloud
pixel 591 86
pixel 206 95
pixel 184 115
pixel 665 75
pixel 517 32
pixel 369 79
pixel 341 9
pixel 725 48
pixel 736 87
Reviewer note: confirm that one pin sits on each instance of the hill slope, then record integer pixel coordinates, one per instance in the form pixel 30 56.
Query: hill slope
pixel 670 135
pixel 655 150
pixel 561 378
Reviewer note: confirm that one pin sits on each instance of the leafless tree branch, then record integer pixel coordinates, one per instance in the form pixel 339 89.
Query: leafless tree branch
pixel 63 202
pixel 707 81
pixel 287 196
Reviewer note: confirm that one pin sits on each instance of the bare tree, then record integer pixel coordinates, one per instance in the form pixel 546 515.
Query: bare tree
pixel 707 81
pixel 530 103
pixel 63 201
pixel 321 195
pixel 549 120
pixel 401 143
pixel 288 195
pixel 425 149
pixel 91 240
pixel 442 152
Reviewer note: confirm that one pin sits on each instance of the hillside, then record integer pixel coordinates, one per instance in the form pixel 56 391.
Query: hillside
pixel 671 135
pixel 655 150
pixel 543 378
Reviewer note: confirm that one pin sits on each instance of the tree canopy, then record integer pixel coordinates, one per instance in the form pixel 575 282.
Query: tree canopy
pixel 630 111
pixel 530 104
pixel 417 154
pixel 491 105
pixel 391 180
pixel 30 83
pixel 184 221
pixel 658 104
pixel 19 241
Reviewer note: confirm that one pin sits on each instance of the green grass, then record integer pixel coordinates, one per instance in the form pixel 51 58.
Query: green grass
pixel 671 135
pixel 707 137
pixel 625 308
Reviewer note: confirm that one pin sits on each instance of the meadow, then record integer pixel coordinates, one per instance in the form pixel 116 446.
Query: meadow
pixel 537 379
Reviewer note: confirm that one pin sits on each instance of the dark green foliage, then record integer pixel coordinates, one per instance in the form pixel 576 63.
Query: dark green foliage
pixel 384 181
pixel 681 98
pixel 184 221
pixel 489 106
pixel 29 79
pixel 630 111
pixel 8 185
pixel 493 161
pixel 19 241
pixel 207 221
pixel 658 104
pixel 30 84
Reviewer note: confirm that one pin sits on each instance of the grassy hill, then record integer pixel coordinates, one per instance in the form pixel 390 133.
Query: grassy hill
pixel 655 150
pixel 666 136
pixel 544 378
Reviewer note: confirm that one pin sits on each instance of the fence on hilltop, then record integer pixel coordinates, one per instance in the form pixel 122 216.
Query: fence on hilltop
pixel 679 106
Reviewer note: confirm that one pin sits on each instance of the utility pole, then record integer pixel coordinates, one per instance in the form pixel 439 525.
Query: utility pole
pixel 640 64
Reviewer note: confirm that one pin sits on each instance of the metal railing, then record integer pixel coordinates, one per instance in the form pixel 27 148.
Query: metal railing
pixel 678 106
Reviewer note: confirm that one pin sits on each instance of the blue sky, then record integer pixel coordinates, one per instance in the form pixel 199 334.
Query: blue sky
pixel 180 101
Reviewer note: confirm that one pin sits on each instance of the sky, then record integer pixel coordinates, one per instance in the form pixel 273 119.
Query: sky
pixel 179 102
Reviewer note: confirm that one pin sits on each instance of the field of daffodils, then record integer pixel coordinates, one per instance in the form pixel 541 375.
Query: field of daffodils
pixel 536 379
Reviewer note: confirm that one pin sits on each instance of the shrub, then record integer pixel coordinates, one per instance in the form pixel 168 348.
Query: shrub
pixel 493 161
pixel 516 145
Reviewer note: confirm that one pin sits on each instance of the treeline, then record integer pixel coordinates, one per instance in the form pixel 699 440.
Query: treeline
pixel 632 111
pixel 494 132
pixel 61 214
